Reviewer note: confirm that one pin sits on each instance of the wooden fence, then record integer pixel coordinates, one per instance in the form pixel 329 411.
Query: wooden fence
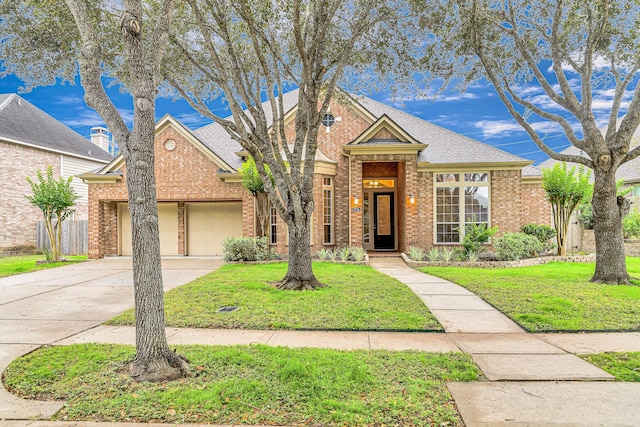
pixel 75 237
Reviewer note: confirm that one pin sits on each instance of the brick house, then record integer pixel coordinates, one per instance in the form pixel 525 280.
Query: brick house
pixel 384 180
pixel 31 140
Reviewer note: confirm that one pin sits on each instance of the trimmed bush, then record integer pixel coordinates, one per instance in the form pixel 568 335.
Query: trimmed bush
pixel 515 246
pixel 247 249
pixel 542 232
pixel 631 225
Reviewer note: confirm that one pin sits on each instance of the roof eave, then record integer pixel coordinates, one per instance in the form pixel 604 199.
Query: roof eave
pixel 95 178
pixel 472 166
pixel 408 148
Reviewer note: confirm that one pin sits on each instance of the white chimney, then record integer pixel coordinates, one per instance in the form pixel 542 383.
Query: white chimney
pixel 100 137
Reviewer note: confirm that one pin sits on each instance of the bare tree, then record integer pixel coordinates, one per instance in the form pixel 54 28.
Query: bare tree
pixel 44 41
pixel 254 51
pixel 568 51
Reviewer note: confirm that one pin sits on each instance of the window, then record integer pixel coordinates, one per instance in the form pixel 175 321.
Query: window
pixel 461 199
pixel 328 120
pixel 327 210
pixel 273 225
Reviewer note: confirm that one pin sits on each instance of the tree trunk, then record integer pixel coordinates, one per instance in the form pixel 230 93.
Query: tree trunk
pixel 608 211
pixel 299 275
pixel 154 360
pixel 262 212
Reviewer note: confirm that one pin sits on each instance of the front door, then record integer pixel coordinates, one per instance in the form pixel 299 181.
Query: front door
pixel 383 221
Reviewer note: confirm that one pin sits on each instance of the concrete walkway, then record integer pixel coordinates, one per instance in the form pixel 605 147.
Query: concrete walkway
pixel 560 388
pixel 535 379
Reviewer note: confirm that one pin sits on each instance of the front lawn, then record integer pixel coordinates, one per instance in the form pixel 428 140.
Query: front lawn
pixel 249 385
pixel 26 263
pixel 357 298
pixel 553 297
pixel 623 366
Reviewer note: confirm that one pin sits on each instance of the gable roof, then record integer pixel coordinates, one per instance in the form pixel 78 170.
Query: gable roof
pixel 629 171
pixel 218 140
pixel 443 146
pixel 23 123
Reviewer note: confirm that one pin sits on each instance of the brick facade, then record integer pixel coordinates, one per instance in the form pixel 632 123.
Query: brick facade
pixel 17 217
pixel 185 174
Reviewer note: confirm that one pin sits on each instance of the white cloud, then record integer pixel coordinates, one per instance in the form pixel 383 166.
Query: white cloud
pixel 504 128
pixel 457 97
pixel 69 99
pixel 84 118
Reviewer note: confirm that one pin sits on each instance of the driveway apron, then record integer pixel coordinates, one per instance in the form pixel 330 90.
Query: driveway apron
pixel 46 306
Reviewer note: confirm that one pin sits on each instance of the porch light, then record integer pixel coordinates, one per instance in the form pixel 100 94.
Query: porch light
pixel 356 200
pixel 412 199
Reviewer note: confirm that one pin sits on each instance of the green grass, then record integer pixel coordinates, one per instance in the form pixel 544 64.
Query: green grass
pixel 623 366
pixel 357 298
pixel 250 385
pixel 26 263
pixel 554 297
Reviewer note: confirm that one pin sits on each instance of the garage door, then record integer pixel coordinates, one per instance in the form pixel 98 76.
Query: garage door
pixel 209 224
pixel 168 223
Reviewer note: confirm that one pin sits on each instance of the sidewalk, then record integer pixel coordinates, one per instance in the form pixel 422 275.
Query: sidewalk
pixel 534 379
pixel 547 384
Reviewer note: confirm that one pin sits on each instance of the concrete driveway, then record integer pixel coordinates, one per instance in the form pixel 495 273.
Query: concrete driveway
pixel 46 306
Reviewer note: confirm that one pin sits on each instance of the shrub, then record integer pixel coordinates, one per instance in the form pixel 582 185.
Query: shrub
pixel 447 254
pixel 416 253
pixel 247 249
pixel 323 254
pixel 631 225
pixel 358 254
pixel 433 254
pixel 475 236
pixel 344 253
pixel 542 232
pixel 515 246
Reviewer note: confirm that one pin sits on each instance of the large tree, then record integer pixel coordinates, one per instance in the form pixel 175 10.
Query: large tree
pixel 569 50
pixel 253 51
pixel 43 41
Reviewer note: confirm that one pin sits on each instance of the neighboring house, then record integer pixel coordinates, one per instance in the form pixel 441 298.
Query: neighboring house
pixel 384 180
pixel 629 172
pixel 31 140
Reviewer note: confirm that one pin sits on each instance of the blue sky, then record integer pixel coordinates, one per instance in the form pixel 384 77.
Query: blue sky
pixel 477 113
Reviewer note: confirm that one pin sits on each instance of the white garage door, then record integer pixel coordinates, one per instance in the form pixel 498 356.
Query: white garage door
pixel 168 224
pixel 209 224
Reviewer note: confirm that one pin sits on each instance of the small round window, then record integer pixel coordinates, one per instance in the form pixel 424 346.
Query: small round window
pixel 328 120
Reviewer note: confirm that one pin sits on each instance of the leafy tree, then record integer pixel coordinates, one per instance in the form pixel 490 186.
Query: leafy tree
pixel 546 61
pixel 252 181
pixel 586 212
pixel 54 198
pixel 125 41
pixel 565 191
pixel 253 51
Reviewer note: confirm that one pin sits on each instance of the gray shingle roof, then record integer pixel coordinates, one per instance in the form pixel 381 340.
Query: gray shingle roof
pixel 444 146
pixel 629 171
pixel 21 121
pixel 221 144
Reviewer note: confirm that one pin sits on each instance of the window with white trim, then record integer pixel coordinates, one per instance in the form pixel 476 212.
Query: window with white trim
pixel 273 225
pixel 327 210
pixel 461 199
